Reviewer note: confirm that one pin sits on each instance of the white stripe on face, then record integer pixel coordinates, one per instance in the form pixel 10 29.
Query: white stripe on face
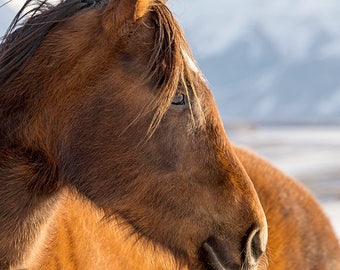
pixel 190 62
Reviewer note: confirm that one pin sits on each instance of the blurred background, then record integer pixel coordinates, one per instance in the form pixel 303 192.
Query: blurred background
pixel 274 69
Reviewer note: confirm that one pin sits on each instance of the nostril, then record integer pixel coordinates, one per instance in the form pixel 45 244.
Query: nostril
pixel 255 247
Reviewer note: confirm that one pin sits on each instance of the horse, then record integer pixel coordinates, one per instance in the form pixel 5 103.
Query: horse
pixel 102 99
pixel 113 155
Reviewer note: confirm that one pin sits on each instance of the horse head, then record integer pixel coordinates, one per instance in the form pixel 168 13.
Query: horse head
pixel 105 97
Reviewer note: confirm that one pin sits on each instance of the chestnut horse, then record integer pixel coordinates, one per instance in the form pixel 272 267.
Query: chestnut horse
pixel 101 98
pixel 113 155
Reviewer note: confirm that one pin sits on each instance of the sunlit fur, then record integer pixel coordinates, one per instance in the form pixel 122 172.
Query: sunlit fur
pixel 99 171
pixel 79 238
pixel 142 8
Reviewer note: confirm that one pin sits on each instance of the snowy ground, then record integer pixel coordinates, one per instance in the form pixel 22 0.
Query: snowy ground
pixel 309 153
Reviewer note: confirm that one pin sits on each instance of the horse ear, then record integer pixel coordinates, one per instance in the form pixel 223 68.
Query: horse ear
pixel 142 7
pixel 127 10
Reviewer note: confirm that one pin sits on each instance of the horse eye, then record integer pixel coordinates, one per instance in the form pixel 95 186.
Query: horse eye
pixel 179 100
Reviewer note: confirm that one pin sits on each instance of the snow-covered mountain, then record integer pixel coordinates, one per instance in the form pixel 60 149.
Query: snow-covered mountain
pixel 268 60
pixel 265 60
pixel 268 89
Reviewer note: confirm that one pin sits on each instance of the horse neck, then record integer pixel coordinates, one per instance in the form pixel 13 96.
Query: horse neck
pixel 79 229
pixel 23 210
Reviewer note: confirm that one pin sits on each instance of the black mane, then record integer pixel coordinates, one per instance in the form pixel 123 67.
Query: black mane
pixel 29 27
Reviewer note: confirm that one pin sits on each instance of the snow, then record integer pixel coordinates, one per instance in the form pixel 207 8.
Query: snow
pixel 332 209
pixel 289 147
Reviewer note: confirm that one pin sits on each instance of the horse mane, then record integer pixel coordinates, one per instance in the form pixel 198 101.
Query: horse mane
pixel 167 66
pixel 28 29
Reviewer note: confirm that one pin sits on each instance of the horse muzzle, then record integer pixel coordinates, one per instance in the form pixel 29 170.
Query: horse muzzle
pixel 216 255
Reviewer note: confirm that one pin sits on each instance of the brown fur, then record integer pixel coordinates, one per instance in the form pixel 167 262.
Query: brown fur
pixel 85 105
